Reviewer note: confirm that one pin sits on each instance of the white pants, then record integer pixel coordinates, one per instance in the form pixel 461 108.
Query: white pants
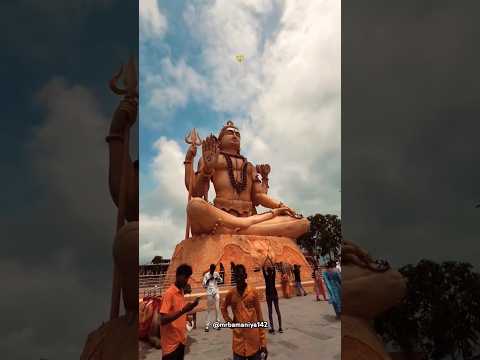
pixel 213 307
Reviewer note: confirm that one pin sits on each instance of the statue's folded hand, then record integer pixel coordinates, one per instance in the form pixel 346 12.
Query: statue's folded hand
pixel 284 210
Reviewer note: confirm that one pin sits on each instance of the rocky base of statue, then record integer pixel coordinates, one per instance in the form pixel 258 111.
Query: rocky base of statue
pixel 249 250
pixel 116 339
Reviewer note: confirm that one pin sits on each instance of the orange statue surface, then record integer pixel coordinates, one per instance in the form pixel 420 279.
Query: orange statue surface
pixel 238 190
pixel 229 229
pixel 368 289
pixel 249 250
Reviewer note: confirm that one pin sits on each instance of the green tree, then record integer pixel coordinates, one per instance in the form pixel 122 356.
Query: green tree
pixel 440 315
pixel 324 238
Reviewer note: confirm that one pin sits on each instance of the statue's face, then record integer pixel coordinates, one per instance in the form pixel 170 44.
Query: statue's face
pixel 230 139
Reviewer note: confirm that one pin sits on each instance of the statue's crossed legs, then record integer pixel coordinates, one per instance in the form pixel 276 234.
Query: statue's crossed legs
pixel 207 219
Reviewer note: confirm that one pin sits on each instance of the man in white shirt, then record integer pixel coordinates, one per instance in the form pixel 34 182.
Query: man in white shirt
pixel 210 282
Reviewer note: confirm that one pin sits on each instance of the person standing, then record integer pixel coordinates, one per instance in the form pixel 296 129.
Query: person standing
pixel 271 294
pixel 334 285
pixel 284 281
pixel 247 344
pixel 222 273
pixel 232 273
pixel 298 281
pixel 173 318
pixel 291 279
pixel 210 281
pixel 319 285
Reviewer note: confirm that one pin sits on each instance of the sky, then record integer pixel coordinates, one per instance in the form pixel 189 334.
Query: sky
pixel 57 217
pixel 284 97
pixel 410 110
pixel 410 121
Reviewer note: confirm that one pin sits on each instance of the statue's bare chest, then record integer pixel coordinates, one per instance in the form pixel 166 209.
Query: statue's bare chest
pixel 234 171
pixel 236 163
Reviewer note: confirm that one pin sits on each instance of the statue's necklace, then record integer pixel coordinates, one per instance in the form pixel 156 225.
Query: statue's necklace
pixel 238 186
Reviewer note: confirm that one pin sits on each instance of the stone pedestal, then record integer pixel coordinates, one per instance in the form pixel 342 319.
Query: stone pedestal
pixel 116 339
pixel 201 251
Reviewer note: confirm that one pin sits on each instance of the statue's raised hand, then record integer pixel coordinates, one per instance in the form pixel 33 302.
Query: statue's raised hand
pixel 210 152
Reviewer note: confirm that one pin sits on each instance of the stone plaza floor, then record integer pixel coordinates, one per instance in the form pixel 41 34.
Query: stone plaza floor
pixel 311 331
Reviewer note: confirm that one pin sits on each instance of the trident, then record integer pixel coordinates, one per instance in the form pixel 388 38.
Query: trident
pixel 192 139
pixel 131 91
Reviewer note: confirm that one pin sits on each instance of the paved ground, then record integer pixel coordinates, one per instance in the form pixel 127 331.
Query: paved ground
pixel 311 331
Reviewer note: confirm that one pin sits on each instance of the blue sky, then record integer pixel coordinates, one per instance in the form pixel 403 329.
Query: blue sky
pixel 285 97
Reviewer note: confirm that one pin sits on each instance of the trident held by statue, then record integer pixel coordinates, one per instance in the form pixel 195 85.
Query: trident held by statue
pixel 194 140
pixel 130 92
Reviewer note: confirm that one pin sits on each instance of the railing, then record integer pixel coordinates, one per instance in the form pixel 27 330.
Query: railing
pixel 150 280
pixel 157 284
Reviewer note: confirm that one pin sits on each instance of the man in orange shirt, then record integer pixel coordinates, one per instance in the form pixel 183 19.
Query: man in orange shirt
pixel 173 318
pixel 247 344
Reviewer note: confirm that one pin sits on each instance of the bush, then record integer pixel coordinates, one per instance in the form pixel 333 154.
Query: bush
pixel 324 237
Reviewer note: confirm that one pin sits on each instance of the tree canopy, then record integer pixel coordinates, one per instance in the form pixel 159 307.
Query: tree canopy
pixel 440 315
pixel 324 238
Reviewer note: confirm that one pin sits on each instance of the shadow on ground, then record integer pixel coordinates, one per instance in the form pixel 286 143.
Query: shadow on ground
pixel 311 331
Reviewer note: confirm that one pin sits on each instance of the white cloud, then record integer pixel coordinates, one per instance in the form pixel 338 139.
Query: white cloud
pixel 78 163
pixel 159 235
pixel 286 95
pixel 167 169
pixel 162 212
pixel 232 28
pixel 172 86
pixel 153 24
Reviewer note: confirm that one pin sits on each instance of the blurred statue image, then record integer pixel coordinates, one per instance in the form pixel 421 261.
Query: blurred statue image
pixel 369 288
pixel 117 338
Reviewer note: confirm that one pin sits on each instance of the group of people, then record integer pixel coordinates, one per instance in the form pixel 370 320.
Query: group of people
pixel 290 274
pixel 271 294
pixel 242 300
pixel 176 317
pixel 326 281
